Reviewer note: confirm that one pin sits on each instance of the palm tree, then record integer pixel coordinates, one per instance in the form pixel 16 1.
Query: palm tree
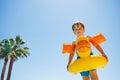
pixel 4 53
pixel 13 49
pixel 17 50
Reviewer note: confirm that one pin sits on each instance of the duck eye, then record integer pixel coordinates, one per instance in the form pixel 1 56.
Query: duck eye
pixel 78 43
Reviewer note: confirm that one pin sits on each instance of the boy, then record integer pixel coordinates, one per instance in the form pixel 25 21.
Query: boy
pixel 79 29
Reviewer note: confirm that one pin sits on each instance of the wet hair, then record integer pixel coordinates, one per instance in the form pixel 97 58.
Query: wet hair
pixel 78 23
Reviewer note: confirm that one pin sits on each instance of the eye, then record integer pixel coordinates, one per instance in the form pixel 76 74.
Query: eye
pixel 76 29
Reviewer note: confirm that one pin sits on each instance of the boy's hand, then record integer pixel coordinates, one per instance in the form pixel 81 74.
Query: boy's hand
pixel 67 68
pixel 105 56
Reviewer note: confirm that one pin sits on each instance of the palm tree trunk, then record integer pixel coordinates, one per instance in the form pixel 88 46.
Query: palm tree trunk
pixel 4 68
pixel 10 68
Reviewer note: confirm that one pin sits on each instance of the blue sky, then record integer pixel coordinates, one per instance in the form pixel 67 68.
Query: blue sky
pixel 46 25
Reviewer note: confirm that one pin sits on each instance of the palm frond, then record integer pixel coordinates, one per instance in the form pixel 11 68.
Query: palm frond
pixel 22 42
pixel 17 39
pixel 11 41
pixel 11 47
pixel 26 48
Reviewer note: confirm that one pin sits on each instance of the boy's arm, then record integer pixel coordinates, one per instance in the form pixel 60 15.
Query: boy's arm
pixel 98 47
pixel 70 58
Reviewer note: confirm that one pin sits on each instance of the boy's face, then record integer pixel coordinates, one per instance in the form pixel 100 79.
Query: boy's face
pixel 78 30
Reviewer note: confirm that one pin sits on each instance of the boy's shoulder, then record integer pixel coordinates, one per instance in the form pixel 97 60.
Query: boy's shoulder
pixel 89 37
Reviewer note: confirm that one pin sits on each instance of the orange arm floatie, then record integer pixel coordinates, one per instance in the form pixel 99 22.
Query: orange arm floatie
pixel 68 48
pixel 98 38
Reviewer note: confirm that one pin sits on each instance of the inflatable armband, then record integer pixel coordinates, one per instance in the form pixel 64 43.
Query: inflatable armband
pixel 68 48
pixel 98 38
